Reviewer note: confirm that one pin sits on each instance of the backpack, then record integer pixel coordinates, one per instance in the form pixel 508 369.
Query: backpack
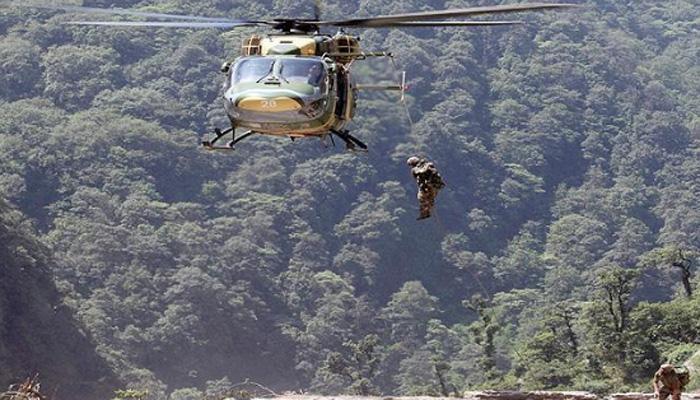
pixel 683 375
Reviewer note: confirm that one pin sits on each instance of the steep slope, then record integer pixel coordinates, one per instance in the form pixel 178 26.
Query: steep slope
pixel 37 333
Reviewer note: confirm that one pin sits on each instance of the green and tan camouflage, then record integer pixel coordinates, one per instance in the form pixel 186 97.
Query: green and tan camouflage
pixel 287 95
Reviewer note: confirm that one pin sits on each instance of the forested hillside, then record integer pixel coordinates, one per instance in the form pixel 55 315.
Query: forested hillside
pixel 38 334
pixel 562 253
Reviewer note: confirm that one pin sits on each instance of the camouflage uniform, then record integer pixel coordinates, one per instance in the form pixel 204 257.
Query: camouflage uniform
pixel 429 183
pixel 667 382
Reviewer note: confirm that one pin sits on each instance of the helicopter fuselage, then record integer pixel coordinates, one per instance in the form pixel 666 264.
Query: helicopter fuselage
pixel 289 85
pixel 292 96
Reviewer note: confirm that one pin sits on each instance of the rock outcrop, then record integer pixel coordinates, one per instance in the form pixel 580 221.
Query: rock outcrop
pixel 533 395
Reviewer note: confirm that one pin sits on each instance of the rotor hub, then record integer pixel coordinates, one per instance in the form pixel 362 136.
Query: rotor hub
pixel 295 25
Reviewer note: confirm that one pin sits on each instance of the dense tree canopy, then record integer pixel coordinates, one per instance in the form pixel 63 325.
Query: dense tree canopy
pixel 562 253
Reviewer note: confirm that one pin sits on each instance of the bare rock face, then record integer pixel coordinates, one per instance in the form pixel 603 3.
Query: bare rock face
pixel 649 396
pixel 534 395
pixel 632 396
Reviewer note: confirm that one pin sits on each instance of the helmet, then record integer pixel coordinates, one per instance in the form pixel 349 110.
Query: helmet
pixel 667 367
pixel 413 161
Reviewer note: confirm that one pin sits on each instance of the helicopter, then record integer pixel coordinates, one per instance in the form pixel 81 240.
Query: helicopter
pixel 296 81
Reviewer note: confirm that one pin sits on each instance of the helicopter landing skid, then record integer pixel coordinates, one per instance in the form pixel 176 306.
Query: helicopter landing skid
pixel 210 145
pixel 350 140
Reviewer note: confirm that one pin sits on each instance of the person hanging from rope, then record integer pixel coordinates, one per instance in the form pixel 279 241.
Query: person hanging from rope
pixel 429 183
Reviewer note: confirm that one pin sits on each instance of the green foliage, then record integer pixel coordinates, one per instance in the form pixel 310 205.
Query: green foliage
pixel 550 356
pixel 484 331
pixel 130 394
pixel 691 364
pixel 75 75
pixel 409 311
pixel 679 354
pixel 520 187
pixel 186 394
pixel 20 70
pixel 35 323
pixel 360 368
pixel 217 388
pixel 570 150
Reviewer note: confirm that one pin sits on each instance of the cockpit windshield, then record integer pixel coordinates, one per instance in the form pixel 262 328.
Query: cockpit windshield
pixel 252 70
pixel 287 70
pixel 280 90
pixel 299 70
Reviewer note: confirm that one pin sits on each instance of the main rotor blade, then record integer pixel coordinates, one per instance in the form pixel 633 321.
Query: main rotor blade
pixel 419 24
pixel 380 21
pixel 121 11
pixel 165 24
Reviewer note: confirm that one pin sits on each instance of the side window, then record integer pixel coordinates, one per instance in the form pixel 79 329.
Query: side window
pixel 299 70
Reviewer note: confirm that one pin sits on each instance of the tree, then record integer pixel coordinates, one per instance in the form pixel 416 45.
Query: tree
pixel 360 366
pixel 75 75
pixel 521 264
pixel 143 103
pixel 520 186
pixel 569 145
pixel 484 331
pixel 186 394
pixel 617 285
pixel 577 241
pixel 678 259
pixel 130 394
pixel 547 351
pixel 20 70
pixel 329 322
pixel 475 267
pixel 608 341
pixel 408 313
pixel 22 122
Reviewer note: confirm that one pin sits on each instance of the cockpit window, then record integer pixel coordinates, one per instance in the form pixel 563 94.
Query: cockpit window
pixel 298 70
pixel 252 70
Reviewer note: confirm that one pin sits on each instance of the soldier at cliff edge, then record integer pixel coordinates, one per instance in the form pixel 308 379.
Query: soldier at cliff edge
pixel 429 183
pixel 669 380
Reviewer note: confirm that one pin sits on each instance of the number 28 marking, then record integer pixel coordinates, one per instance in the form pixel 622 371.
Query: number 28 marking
pixel 268 103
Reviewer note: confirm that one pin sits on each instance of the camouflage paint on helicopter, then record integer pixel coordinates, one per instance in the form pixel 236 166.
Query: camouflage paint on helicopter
pixel 288 85
pixel 282 94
